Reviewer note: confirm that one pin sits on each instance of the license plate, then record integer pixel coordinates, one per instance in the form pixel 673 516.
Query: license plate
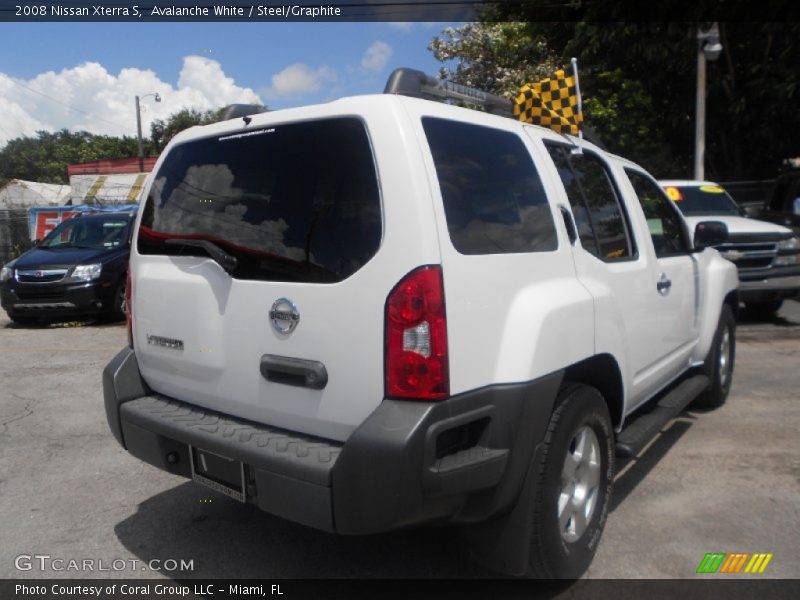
pixel 220 473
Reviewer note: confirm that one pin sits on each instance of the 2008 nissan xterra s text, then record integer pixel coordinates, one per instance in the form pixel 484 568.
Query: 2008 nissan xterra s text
pixel 387 311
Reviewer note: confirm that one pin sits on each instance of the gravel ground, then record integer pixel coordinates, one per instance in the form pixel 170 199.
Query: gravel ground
pixel 727 481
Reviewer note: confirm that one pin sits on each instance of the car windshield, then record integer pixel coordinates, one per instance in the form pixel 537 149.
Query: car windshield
pixel 98 233
pixel 704 200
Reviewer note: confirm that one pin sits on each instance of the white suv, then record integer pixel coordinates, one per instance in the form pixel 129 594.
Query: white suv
pixel 386 311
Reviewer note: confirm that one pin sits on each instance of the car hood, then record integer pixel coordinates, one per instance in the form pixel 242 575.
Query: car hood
pixel 40 258
pixel 738 225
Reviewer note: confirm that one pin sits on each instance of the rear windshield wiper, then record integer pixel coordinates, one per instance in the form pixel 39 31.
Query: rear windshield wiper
pixel 225 260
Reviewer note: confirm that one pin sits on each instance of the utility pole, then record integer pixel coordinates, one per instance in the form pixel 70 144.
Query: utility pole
pixel 157 98
pixel 139 134
pixel 708 48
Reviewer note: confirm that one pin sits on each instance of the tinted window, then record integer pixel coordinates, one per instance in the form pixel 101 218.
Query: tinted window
pixel 493 198
pixel 786 196
pixel 295 202
pixel 666 227
pixel 594 202
pixel 579 211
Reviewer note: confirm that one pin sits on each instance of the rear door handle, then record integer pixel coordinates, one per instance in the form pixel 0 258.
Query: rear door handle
pixel 294 371
pixel 569 224
pixel 664 284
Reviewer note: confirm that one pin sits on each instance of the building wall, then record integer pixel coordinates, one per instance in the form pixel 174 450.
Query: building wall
pixel 112 166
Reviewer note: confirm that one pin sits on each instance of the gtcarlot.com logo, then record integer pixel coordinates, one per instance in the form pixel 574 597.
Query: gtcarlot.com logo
pixel 734 563
pixel 46 562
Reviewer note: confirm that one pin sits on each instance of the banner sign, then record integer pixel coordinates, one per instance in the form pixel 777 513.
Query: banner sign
pixel 41 221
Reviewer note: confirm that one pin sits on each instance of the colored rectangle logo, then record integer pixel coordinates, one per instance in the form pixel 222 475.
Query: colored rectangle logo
pixel 734 563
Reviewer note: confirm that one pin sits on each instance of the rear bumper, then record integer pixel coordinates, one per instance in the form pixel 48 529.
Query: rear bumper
pixel 461 460
pixel 769 284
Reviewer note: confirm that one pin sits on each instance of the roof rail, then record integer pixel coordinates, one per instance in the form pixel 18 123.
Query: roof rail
pixel 410 82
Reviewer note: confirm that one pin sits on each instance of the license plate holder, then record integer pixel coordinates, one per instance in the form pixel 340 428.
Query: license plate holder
pixel 220 473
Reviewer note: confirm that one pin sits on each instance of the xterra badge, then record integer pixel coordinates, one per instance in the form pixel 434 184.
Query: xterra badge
pixel 284 316
pixel 164 342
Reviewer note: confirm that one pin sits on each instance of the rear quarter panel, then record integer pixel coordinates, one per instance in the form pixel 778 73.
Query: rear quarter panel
pixel 511 317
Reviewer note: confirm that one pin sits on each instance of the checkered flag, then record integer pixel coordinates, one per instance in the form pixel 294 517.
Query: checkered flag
pixel 554 102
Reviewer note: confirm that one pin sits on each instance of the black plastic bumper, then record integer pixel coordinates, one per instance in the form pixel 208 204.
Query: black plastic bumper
pixel 461 460
pixel 53 300
pixel 769 284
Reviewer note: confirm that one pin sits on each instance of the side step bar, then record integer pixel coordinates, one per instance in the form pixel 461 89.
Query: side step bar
pixel 643 428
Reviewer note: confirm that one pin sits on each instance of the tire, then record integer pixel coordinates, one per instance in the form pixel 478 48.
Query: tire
pixel 763 310
pixel 720 361
pixel 118 308
pixel 576 469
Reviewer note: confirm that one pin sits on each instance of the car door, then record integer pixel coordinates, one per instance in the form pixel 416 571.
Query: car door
pixel 677 284
pixel 631 317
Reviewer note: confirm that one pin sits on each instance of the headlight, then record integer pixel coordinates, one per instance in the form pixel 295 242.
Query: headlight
pixel 791 245
pixel 6 273
pixel 87 272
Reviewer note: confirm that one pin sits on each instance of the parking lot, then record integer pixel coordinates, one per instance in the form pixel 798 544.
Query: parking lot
pixel 726 481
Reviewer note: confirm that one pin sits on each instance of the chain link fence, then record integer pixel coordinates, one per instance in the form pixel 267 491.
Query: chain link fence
pixel 14 236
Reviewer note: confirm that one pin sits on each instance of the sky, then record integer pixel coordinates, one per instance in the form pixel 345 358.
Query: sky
pixel 85 76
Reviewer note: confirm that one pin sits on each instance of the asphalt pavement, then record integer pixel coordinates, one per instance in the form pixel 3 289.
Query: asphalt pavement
pixel 721 481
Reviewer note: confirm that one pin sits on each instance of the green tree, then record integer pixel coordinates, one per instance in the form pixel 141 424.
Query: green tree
pixel 162 131
pixel 494 57
pixel 45 156
pixel 638 69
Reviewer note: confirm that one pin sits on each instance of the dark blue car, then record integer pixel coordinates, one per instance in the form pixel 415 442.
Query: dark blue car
pixel 79 270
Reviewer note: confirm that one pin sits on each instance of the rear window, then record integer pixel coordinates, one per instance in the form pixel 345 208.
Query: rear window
pixel 493 197
pixel 296 202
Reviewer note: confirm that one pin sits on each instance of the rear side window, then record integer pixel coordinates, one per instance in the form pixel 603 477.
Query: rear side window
pixel 493 197
pixel 296 202
pixel 595 203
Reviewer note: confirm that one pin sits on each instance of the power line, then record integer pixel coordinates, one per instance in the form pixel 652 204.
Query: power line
pixel 72 108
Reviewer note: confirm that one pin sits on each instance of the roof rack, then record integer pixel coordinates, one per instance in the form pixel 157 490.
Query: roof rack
pixel 410 82
pixel 233 111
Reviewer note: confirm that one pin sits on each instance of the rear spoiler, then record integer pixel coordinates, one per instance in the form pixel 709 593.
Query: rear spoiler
pixel 233 111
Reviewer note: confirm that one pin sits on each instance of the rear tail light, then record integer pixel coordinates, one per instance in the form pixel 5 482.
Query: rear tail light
pixel 129 308
pixel 416 337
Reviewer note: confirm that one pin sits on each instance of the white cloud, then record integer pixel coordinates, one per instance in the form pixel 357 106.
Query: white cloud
pixel 376 57
pixel 298 79
pixel 88 97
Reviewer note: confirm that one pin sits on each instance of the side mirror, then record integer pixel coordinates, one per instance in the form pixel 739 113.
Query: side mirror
pixel 710 233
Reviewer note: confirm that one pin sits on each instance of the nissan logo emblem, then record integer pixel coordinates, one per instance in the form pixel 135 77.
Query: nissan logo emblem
pixel 284 316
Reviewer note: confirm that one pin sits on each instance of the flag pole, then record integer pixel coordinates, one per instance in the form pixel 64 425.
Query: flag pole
pixel 574 62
